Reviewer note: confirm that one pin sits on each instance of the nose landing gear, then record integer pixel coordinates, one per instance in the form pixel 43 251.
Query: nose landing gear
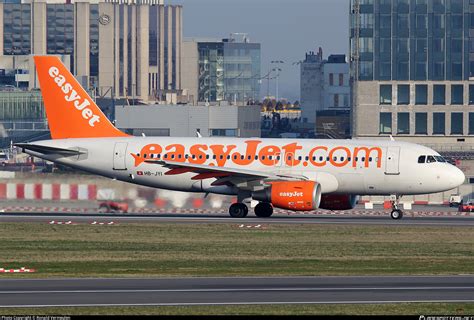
pixel 396 213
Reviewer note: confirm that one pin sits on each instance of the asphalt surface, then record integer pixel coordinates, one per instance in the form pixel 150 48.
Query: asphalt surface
pixel 459 221
pixel 218 291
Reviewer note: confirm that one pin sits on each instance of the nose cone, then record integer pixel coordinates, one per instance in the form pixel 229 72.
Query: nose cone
pixel 457 177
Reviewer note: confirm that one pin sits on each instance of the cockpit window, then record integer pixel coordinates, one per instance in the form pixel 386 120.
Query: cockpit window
pixel 422 159
pixel 440 159
pixel 430 159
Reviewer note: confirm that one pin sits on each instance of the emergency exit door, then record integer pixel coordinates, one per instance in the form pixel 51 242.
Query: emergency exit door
pixel 392 161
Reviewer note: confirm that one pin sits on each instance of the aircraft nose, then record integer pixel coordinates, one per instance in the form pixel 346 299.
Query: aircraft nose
pixel 457 177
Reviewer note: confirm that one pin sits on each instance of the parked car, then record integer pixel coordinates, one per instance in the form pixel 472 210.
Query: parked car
pixel 113 207
pixel 466 207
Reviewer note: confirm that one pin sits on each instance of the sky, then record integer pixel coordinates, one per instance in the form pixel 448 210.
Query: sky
pixel 286 29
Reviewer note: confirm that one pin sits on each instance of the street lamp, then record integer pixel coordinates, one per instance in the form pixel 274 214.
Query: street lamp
pixel 278 70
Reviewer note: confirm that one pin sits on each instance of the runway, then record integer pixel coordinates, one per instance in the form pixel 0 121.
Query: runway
pixel 219 291
pixel 452 221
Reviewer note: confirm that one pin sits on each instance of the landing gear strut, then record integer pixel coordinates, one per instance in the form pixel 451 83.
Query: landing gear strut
pixel 263 210
pixel 238 210
pixel 396 213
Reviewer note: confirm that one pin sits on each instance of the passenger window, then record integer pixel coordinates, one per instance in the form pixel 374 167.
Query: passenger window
pixel 307 158
pixel 278 158
pixel 422 159
pixel 159 156
pixel 300 158
pixel 200 157
pixel 187 156
pixel 349 159
pixel 249 157
pixel 256 157
pixel 235 157
pixel 270 157
pixel 321 158
pixel 263 157
pixel 179 156
pixel 214 157
pixel 370 159
pixel 207 156
pixel 228 157
pixel 357 159
pixel 242 157
pixel 144 156
pixel 363 159
pixel 172 156
pixel 430 159
pixel 221 157
pixel 166 156
pixel 151 156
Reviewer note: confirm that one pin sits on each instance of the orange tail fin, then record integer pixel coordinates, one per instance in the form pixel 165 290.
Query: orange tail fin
pixel 71 112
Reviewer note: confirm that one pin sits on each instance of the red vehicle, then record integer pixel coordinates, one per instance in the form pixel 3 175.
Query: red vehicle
pixel 466 207
pixel 113 207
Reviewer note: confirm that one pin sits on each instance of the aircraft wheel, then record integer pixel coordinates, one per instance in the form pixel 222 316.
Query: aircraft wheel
pixel 238 210
pixel 396 214
pixel 263 210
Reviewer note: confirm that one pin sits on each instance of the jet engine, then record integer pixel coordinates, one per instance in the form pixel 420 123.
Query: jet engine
pixel 292 195
pixel 338 201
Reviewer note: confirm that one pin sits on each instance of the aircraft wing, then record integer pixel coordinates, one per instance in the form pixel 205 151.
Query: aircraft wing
pixel 48 150
pixel 241 178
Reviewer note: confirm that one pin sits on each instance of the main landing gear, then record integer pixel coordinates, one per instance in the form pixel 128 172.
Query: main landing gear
pixel 396 213
pixel 240 210
pixel 263 210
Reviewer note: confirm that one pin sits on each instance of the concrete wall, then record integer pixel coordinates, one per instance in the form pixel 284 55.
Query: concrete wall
pixel 190 69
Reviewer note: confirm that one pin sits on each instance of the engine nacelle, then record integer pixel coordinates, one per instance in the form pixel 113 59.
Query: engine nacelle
pixel 292 195
pixel 338 201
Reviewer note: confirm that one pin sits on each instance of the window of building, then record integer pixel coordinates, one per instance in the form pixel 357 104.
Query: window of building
pixel 385 122
pixel 421 123
pixel 402 69
pixel 439 123
pixel 341 79
pixel 223 132
pixel 403 123
pixel 403 45
pixel 336 100
pixel 438 70
pixel 421 21
pixel 471 94
pixel 457 94
pixel 385 94
pixel 403 96
pixel 439 94
pixel 331 79
pixel 421 94
pixel 471 122
pixel 366 71
pixel 456 71
pixel 457 123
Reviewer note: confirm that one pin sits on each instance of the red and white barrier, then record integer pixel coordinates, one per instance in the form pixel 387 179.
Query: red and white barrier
pixel 21 270
pixel 47 191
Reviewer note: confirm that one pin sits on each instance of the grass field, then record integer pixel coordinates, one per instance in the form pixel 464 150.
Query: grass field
pixel 225 250
pixel 132 250
pixel 338 309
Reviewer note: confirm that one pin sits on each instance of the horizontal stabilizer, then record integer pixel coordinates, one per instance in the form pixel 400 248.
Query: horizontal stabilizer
pixel 48 150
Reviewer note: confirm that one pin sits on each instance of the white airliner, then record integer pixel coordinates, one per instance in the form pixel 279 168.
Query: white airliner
pixel 299 175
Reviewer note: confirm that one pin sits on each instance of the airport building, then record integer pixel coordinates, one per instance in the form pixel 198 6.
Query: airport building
pixel 222 70
pixel 413 66
pixel 136 45
pixel 187 120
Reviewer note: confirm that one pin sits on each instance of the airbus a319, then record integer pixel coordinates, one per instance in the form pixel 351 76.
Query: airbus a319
pixel 299 175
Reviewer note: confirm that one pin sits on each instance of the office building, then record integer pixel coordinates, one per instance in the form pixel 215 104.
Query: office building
pixel 412 62
pixel 222 70
pixel 324 85
pixel 116 49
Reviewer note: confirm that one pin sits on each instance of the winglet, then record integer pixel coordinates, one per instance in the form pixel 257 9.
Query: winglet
pixel 70 110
